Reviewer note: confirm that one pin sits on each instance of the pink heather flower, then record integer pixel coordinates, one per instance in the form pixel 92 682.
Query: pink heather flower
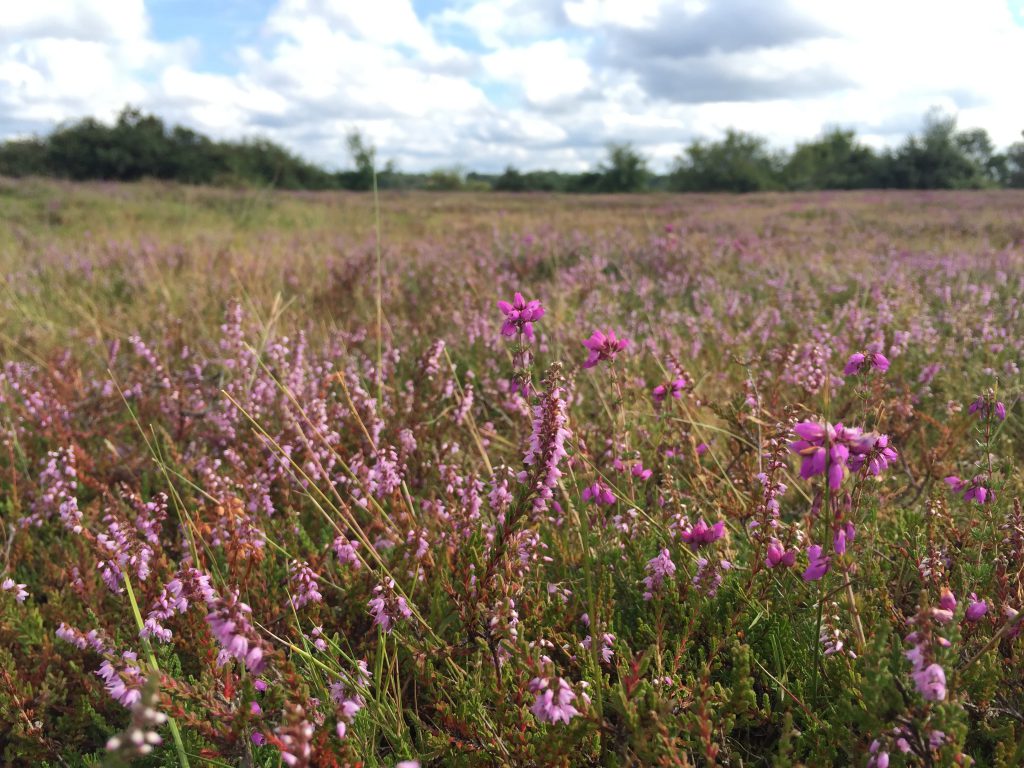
pixel 972 490
pixel 603 347
pixel 547 445
pixel 640 472
pixel 554 700
pixel 986 406
pixel 674 389
pixel 387 607
pixel 20 593
pixel 229 622
pixel 844 535
pixel 407 764
pixel 839 450
pixel 599 494
pixel 779 555
pixel 520 315
pixel 947 600
pixel 659 568
pixel 345 550
pixel 931 682
pixel 818 564
pixel 702 534
pixel 303 584
pixel 875 361
pixel 125 684
pixel 975 609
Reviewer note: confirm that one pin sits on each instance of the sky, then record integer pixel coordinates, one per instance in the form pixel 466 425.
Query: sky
pixel 482 84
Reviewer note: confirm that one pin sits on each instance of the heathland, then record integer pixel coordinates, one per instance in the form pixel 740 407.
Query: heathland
pixel 317 478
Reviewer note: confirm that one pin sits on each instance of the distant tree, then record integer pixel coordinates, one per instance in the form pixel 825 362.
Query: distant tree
pixel 741 162
pixel 510 181
pixel 833 161
pixel 942 158
pixel 364 157
pixel 625 170
pixel 25 157
pixel 1015 165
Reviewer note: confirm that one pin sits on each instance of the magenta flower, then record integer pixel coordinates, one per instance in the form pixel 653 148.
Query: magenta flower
pixel 554 700
pixel 302 580
pixel 520 315
pixel 975 609
pixel 972 490
pixel 702 534
pixel 839 450
pixel 818 563
pixel 603 347
pixel 779 555
pixel 947 600
pixel 599 494
pixel 672 389
pixel 844 535
pixel 988 406
pixel 875 361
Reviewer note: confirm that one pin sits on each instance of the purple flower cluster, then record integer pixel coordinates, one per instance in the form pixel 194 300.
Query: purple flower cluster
pixel 973 489
pixel 836 450
pixel 986 406
pixel 547 445
pixel 520 316
pixel 872 360
pixel 598 493
pixel 701 534
pixel 124 684
pixel 388 607
pixel 554 700
pixel 659 568
pixel 229 622
pixel 603 346
pixel 302 581
pixel 188 585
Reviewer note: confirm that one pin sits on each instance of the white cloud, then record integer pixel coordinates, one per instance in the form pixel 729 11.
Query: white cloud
pixel 541 83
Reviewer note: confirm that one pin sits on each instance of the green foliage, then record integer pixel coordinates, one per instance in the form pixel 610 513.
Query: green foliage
pixel 741 162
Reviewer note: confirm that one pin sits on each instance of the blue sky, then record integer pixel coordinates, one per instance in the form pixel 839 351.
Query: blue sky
pixel 536 83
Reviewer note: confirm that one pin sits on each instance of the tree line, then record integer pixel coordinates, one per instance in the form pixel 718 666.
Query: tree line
pixel 139 146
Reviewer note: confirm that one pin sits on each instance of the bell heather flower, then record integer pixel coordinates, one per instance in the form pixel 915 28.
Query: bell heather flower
pixel 598 493
pixel 659 568
pixel 986 406
pixel 701 534
pixel 520 315
pixel 818 563
pixel 875 361
pixel 844 534
pixel 975 609
pixel 672 389
pixel 554 700
pixel 839 450
pixel 972 490
pixel 603 346
pixel 778 555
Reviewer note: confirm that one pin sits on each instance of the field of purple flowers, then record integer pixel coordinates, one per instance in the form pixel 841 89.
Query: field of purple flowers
pixel 520 481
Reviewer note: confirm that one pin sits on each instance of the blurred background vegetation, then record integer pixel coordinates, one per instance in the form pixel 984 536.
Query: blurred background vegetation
pixel 139 146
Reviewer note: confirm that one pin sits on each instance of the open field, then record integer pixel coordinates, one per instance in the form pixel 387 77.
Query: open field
pixel 317 499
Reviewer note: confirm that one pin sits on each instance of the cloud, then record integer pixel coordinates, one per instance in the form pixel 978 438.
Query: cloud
pixel 538 83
